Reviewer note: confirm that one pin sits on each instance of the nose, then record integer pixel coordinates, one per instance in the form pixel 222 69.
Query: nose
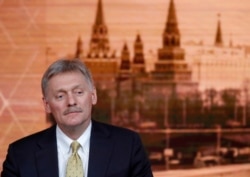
pixel 71 100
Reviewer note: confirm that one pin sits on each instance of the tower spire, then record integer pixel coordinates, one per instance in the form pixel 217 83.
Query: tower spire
pixel 125 58
pixel 171 64
pixel 171 34
pixel 125 66
pixel 99 43
pixel 99 14
pixel 218 37
pixel 172 24
pixel 138 59
pixel 79 48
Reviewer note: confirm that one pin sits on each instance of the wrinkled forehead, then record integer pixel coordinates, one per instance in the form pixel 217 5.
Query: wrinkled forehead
pixel 68 79
pixel 61 77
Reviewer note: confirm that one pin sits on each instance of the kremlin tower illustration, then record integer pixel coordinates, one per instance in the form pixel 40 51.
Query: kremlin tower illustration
pixel 100 58
pixel 126 75
pixel 162 94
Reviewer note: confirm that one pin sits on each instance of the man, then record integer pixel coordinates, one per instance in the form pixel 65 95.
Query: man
pixel 105 150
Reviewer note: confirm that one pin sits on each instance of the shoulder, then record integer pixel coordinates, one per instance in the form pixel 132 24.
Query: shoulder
pixel 32 139
pixel 122 138
pixel 112 130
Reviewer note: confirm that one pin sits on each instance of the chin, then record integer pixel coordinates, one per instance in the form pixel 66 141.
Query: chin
pixel 73 121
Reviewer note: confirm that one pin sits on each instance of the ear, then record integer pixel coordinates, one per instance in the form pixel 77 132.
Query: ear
pixel 94 97
pixel 46 105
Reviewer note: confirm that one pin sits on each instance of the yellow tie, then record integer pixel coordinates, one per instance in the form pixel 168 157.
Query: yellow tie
pixel 74 166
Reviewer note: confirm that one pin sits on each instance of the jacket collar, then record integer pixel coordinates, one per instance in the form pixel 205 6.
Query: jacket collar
pixel 46 156
pixel 101 147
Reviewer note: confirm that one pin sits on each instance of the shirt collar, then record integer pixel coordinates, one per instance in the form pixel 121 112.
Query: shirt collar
pixel 64 142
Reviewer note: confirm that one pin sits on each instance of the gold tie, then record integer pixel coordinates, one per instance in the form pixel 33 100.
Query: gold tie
pixel 74 166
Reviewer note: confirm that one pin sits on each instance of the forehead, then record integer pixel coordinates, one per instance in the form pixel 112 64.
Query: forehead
pixel 67 79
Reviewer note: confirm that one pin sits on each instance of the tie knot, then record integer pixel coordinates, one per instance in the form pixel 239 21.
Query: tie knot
pixel 75 146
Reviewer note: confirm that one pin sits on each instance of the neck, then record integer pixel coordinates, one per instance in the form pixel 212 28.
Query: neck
pixel 74 132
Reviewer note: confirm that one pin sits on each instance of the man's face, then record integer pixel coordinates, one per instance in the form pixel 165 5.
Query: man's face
pixel 70 98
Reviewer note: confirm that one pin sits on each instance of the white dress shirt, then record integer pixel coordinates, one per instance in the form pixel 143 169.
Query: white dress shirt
pixel 64 150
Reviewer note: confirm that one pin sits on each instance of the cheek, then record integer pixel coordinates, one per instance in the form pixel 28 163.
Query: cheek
pixel 56 107
pixel 87 103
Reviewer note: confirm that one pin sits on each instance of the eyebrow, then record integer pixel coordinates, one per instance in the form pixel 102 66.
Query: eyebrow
pixel 65 90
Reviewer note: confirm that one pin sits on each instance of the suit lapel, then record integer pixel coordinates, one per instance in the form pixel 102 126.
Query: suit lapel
pixel 46 156
pixel 101 148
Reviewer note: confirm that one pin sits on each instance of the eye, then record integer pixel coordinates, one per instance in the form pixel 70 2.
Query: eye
pixel 59 96
pixel 78 92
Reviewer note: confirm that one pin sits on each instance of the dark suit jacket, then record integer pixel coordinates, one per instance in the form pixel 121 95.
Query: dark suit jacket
pixel 114 152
